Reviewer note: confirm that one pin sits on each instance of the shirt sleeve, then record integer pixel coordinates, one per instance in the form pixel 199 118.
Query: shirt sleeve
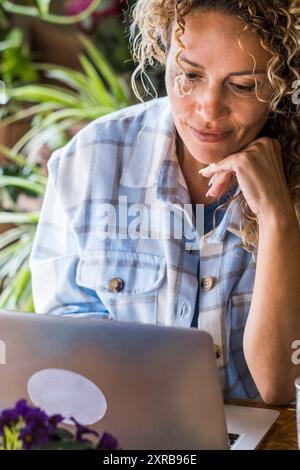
pixel 54 259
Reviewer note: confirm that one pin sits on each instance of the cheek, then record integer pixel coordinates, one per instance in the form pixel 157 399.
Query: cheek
pixel 252 117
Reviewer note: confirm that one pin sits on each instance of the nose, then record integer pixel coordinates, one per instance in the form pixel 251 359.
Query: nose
pixel 211 104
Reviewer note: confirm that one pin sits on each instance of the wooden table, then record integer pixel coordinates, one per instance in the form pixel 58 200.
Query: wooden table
pixel 283 434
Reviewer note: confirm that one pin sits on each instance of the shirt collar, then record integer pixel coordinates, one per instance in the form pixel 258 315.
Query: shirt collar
pixel 230 221
pixel 152 148
pixel 153 162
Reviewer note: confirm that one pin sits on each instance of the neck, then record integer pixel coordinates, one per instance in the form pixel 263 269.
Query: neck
pixel 196 183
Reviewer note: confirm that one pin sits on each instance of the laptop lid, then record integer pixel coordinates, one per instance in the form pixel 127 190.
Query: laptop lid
pixel 151 387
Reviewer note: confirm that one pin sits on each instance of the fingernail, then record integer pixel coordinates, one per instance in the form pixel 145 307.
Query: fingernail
pixel 207 194
pixel 203 170
pixel 211 180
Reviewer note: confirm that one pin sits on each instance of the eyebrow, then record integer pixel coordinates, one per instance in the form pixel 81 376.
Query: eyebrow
pixel 243 72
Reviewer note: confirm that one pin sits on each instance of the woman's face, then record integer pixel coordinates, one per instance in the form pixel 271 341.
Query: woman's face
pixel 223 100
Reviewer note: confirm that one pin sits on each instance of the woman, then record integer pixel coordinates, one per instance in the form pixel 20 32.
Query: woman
pixel 226 137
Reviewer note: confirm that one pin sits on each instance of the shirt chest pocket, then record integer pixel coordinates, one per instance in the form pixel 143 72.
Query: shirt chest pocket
pixel 127 283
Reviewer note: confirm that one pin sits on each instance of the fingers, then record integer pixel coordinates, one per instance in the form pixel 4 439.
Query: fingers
pixel 263 145
pixel 219 184
pixel 233 162
pixel 227 164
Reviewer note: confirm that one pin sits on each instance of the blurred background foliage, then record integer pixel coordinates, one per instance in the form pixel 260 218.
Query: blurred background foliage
pixel 63 64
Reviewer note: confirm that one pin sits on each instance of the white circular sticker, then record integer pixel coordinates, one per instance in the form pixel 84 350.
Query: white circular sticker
pixel 59 391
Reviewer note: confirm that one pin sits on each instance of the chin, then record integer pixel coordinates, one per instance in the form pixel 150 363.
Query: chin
pixel 206 156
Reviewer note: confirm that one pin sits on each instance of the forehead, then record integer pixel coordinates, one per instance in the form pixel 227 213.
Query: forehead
pixel 216 38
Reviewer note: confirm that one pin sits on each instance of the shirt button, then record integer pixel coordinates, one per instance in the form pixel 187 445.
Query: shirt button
pixel 218 351
pixel 207 282
pixel 116 284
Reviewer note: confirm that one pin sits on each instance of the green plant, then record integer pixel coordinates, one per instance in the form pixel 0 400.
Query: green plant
pixel 16 62
pixel 94 92
pixel 41 9
pixel 16 243
pixel 26 427
pixel 16 65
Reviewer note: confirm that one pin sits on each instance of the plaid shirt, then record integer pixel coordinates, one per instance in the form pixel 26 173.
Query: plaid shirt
pixel 130 156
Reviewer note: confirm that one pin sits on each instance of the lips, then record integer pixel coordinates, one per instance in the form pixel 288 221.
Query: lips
pixel 209 136
pixel 210 131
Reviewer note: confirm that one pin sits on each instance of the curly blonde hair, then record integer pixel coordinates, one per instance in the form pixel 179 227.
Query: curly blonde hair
pixel 277 23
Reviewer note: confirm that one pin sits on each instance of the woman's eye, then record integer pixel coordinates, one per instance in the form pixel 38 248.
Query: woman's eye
pixel 243 88
pixel 191 76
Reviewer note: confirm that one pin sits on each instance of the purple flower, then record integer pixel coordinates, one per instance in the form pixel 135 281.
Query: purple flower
pixel 11 416
pixel 36 429
pixel 8 418
pixel 34 435
pixel 21 407
pixel 38 426
pixel 81 430
pixel 108 442
pixel 55 420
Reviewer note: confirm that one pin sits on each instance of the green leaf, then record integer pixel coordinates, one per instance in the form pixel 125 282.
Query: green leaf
pixel 10 7
pixel 24 300
pixel 75 117
pixel 31 111
pixel 78 81
pixel 6 256
pixel 104 68
pixel 13 256
pixel 67 445
pixel 62 434
pixel 23 280
pixel 26 304
pixel 23 183
pixel 96 82
pixel 6 195
pixel 11 295
pixel 19 217
pixel 57 19
pixel 11 438
pixel 40 93
pixel 21 161
pixel 13 40
pixel 11 235
pixel 35 131
pixel 43 6
pixel 65 75
pixel 82 114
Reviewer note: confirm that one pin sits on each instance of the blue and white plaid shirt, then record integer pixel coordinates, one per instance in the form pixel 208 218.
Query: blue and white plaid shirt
pixel 129 157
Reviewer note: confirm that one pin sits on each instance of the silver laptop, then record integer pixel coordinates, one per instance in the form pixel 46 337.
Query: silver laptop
pixel 151 387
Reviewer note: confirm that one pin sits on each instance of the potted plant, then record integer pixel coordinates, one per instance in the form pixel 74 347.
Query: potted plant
pixel 95 91
pixel 16 66
pixel 41 9
pixel 26 427
pixel 16 241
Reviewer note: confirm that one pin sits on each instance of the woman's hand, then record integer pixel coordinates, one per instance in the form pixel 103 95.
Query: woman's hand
pixel 259 171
